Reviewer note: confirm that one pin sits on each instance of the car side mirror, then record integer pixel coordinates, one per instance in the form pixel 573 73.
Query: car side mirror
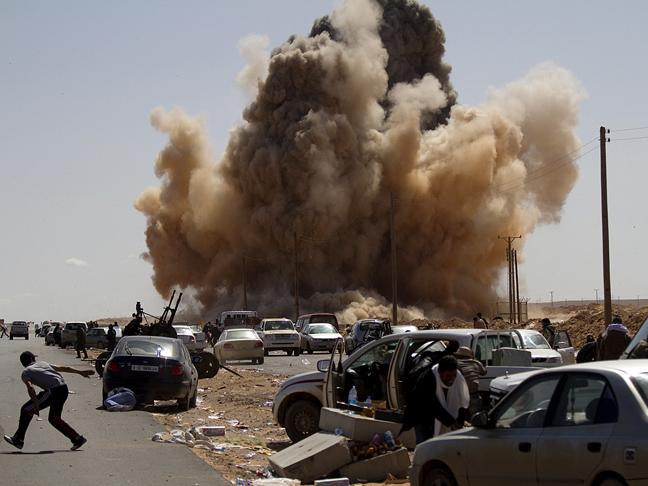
pixel 323 365
pixel 480 420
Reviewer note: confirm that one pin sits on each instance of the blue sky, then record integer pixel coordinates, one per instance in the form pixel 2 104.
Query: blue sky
pixel 79 79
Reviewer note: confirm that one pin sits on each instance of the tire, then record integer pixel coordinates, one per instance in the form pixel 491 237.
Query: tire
pixel 438 476
pixel 208 366
pixel 26 338
pixel 289 352
pixel 302 419
pixel 611 482
pixel 184 404
pixel 194 398
pixel 100 362
pixel 266 352
pixel 260 361
pixel 297 351
pixel 10 337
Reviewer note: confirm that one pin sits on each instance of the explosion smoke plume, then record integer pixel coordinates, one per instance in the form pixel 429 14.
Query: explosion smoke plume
pixel 361 109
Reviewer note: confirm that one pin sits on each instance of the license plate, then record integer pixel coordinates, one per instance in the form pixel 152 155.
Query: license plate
pixel 153 369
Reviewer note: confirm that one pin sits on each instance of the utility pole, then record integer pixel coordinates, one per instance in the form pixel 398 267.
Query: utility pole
pixel 296 262
pixel 551 293
pixel 517 288
pixel 607 292
pixel 509 259
pixel 596 290
pixel 245 303
pixel 394 268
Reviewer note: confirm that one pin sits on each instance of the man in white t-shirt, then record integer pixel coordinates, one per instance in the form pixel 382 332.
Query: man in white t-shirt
pixel 55 392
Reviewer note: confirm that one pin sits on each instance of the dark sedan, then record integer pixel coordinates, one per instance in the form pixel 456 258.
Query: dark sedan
pixel 155 368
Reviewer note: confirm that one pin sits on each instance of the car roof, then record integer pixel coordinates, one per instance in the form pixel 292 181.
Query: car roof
pixel 276 319
pixel 629 366
pixel 318 314
pixel 149 338
pixel 528 331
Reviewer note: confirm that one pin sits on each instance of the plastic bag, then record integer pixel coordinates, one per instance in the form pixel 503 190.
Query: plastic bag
pixel 120 400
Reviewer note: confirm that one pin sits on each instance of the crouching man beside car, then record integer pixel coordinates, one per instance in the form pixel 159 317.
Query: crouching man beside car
pixel 438 402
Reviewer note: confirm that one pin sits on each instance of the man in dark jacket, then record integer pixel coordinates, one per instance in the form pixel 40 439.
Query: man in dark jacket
pixel 57 334
pixel 438 401
pixel 111 337
pixel 81 342
pixel 588 352
pixel 614 341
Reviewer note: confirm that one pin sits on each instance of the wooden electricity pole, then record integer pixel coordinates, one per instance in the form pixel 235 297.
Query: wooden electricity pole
pixel 296 262
pixel 394 268
pixel 243 269
pixel 511 276
pixel 517 288
pixel 607 291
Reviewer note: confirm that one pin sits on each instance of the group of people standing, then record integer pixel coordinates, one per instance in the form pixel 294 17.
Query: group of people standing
pixel 212 332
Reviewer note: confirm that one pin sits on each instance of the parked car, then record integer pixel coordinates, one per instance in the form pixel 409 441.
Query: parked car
pixel 297 404
pixel 560 426
pixel 239 344
pixel 541 351
pixel 68 335
pixel 319 336
pixel 187 336
pixel 51 325
pixel 44 330
pixel 201 340
pixel 155 368
pixel 49 339
pixel 364 331
pixel 320 317
pixel 19 329
pixel 402 329
pixel 279 334
pixel 96 338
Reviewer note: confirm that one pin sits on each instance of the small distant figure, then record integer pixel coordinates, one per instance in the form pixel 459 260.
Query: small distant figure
pixel 483 319
pixel 548 331
pixel 57 334
pixel 3 330
pixel 614 340
pixel 478 323
pixel 208 330
pixel 588 352
pixel 133 327
pixel 111 337
pixel 81 342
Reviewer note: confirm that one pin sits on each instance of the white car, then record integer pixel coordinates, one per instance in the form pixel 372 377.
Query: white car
pixel 319 336
pixel 187 336
pixel 583 424
pixel 540 349
pixel 239 344
pixel 200 342
pixel 279 334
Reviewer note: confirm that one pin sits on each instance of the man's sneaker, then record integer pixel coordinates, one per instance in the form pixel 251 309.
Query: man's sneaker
pixel 78 443
pixel 18 444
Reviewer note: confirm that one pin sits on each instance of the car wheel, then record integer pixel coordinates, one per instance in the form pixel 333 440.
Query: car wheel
pixel 302 420
pixel 297 352
pixel 207 366
pixel 184 404
pixel 100 362
pixel 26 338
pixel 438 476
pixel 266 352
pixel 194 398
pixel 260 361
pixel 289 352
pixel 611 482
pixel 10 337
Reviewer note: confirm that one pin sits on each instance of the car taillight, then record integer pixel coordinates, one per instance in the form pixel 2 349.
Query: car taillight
pixel 177 371
pixel 114 367
pixel 258 344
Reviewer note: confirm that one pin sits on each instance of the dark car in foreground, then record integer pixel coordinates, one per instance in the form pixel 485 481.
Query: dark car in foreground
pixel 155 368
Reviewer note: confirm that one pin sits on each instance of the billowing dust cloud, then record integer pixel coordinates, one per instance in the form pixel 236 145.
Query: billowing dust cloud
pixel 359 110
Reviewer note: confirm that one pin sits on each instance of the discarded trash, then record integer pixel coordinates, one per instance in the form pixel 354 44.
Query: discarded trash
pixel 218 416
pixel 268 404
pixel 233 423
pixel 276 482
pixel 212 430
pixel 250 455
pixel 120 400
pixel 38 419
pixel 71 392
pixel 305 362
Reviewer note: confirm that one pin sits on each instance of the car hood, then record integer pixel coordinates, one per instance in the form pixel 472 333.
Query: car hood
pixel 506 383
pixel 326 336
pixel 311 376
pixel 287 331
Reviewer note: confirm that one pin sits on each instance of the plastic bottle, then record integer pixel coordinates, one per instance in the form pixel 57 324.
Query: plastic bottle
pixel 389 440
pixel 367 402
pixel 353 396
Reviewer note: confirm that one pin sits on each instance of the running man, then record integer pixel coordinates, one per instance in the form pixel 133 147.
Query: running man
pixel 54 394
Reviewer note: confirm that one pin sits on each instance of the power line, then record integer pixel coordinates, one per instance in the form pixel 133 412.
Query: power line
pixel 628 129
pixel 627 138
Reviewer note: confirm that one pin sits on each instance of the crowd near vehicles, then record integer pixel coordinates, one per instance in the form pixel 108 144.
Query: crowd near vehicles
pixel 577 424
pixel 380 370
pixel 279 334
pixel 19 329
pixel 154 368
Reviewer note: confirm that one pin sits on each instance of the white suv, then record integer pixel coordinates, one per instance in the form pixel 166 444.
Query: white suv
pixel 279 334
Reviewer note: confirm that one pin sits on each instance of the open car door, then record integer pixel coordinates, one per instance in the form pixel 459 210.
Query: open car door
pixel 562 343
pixel 334 379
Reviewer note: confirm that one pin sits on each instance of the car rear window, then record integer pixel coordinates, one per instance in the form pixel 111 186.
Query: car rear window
pixel 136 347
pixel 641 382
pixel 321 329
pixel 279 326
pixel 324 318
pixel 241 334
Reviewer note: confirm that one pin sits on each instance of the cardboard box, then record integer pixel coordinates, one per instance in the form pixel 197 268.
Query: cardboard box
pixel 312 458
pixel 360 428
pixel 378 468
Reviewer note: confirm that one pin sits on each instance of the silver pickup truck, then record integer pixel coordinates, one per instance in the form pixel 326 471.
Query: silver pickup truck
pixel 379 370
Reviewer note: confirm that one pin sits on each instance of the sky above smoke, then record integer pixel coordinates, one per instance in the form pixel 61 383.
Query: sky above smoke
pixel 341 121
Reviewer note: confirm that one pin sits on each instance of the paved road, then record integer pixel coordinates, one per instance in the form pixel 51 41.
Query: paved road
pixel 119 449
pixel 279 362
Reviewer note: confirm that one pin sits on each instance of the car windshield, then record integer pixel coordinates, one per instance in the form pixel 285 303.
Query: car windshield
pixel 327 319
pixel 535 341
pixel 641 382
pixel 183 329
pixel 241 334
pixel 321 329
pixel 638 347
pixel 195 328
pixel 279 326
pixel 135 347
